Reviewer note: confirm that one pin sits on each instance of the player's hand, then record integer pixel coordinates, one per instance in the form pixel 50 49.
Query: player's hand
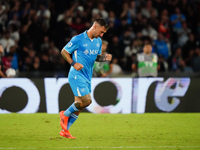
pixel 108 57
pixel 78 66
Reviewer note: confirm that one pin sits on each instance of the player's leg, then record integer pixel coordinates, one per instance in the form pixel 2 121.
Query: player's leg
pixel 79 88
pixel 80 103
pixel 75 85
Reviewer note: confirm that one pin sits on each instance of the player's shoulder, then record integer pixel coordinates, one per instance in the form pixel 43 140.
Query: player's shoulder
pixel 154 54
pixel 99 40
pixel 77 37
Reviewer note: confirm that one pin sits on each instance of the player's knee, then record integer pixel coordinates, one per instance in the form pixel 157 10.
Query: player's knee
pixel 78 105
pixel 89 101
pixel 86 102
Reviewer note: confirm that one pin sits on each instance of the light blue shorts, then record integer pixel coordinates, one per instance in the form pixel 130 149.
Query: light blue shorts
pixel 79 86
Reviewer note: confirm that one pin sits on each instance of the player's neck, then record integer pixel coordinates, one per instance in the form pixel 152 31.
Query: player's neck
pixel 89 33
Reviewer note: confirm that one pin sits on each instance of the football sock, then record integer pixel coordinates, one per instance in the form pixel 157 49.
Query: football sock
pixel 70 110
pixel 71 120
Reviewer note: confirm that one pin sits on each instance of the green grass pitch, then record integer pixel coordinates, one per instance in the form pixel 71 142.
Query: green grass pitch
pixel 102 131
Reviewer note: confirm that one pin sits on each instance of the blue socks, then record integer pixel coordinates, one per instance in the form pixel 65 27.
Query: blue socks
pixel 70 110
pixel 71 120
pixel 70 113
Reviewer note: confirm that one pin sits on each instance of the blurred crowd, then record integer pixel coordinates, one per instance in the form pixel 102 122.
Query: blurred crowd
pixel 33 32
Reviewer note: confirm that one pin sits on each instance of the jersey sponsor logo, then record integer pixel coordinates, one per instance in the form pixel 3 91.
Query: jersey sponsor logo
pixel 69 44
pixel 91 52
pixel 86 52
pixel 94 52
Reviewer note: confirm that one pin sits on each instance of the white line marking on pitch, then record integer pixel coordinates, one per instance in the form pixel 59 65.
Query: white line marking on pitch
pixel 103 147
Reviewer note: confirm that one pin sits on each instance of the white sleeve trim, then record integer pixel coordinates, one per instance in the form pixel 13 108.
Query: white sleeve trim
pixel 66 50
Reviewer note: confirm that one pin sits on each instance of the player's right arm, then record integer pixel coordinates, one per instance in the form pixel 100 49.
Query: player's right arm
pixel 68 58
pixel 69 48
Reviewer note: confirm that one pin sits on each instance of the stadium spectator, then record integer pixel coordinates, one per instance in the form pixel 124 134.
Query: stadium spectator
pixel 184 68
pixel 191 44
pixel 112 18
pixel 116 69
pixel 116 50
pixel 163 64
pixel 15 21
pixel 153 20
pixel 77 24
pixel 15 9
pixel 183 34
pixel 197 31
pixel 129 51
pixel 7 61
pixel 36 64
pixel 149 31
pixel 127 38
pixel 3 15
pixel 27 64
pixel 7 42
pixel 45 45
pixel 1 72
pixel 14 33
pixel 161 47
pixel 188 59
pixel 14 63
pixel 196 60
pixel 139 39
pixel 126 13
pixel 101 10
pixel 113 31
pixel 44 16
pixel 177 18
pixel 46 64
pixel 139 22
pixel 26 10
pixel 148 8
pixel 133 9
pixel 164 24
pixel 175 61
pixel 160 5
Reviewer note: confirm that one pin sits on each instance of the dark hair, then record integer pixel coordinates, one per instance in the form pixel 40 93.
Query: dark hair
pixel 102 22
pixel 147 44
pixel 9 54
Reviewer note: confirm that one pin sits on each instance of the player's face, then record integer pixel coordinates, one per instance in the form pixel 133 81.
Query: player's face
pixel 99 31
pixel 147 49
pixel 103 48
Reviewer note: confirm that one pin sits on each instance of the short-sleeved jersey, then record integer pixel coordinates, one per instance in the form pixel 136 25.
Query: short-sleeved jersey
pixel 84 51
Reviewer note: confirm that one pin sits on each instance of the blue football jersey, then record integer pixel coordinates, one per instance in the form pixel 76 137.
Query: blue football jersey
pixel 84 51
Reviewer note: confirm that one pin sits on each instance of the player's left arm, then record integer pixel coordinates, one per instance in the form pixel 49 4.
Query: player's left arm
pixel 106 57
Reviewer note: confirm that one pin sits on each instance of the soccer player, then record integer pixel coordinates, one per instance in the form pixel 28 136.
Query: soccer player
pixel 85 49
pixel 103 69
